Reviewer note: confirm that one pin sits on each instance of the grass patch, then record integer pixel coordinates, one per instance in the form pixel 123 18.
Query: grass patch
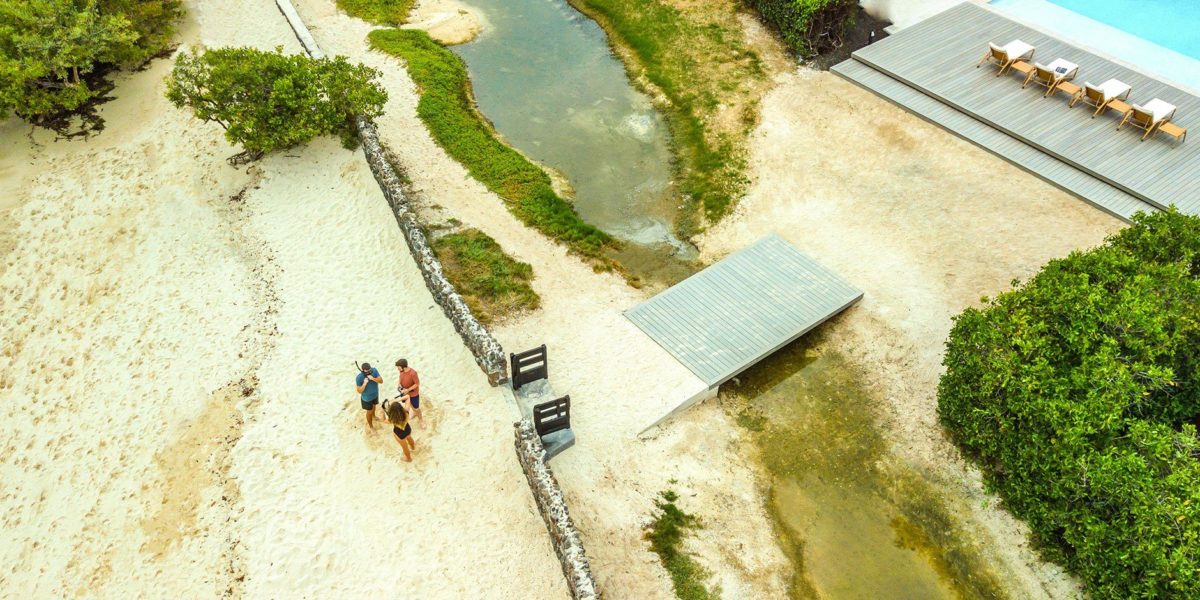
pixel 380 12
pixel 697 58
pixel 665 535
pixel 493 284
pixel 448 110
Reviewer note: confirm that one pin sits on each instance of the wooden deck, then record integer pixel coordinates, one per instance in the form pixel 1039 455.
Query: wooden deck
pixel 929 68
pixel 736 312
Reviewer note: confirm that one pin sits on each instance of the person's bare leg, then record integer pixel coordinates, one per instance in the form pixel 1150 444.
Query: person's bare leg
pixel 371 418
pixel 411 444
pixel 404 447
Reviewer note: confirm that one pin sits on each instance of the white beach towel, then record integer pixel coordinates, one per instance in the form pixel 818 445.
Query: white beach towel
pixel 1159 109
pixel 1063 69
pixel 1113 88
pixel 1017 49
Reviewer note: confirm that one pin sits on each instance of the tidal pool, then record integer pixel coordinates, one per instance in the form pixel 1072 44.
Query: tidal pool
pixel 544 75
pixel 856 522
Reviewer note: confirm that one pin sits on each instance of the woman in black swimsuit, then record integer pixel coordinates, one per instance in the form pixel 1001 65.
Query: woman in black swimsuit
pixel 397 415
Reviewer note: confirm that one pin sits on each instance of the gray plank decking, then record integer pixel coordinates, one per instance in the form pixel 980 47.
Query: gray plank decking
pixel 1028 158
pixel 734 313
pixel 937 57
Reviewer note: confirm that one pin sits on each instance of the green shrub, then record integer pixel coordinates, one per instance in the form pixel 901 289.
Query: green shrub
pixel 448 110
pixel 810 27
pixel 267 101
pixel 390 13
pixel 492 283
pixel 1077 394
pixel 53 53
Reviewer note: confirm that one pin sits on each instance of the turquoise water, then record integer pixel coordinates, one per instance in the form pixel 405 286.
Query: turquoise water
pixel 546 78
pixel 1173 24
pixel 1158 37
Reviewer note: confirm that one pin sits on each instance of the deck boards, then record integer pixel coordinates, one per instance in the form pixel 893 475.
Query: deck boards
pixel 1058 173
pixel 937 59
pixel 732 314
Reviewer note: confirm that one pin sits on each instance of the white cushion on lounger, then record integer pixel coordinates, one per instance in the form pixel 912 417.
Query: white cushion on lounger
pixel 1113 88
pixel 1017 49
pixel 1161 109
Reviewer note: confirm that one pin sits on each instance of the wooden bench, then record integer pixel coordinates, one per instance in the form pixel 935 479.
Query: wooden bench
pixel 1173 130
pixel 552 421
pixel 530 381
pixel 528 366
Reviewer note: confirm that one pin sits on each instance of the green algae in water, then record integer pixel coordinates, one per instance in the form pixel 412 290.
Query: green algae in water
pixel 854 522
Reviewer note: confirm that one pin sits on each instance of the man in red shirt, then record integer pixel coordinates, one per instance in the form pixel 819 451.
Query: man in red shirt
pixel 410 384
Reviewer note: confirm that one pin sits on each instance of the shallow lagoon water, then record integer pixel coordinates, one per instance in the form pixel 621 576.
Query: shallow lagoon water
pixel 544 75
pixel 855 520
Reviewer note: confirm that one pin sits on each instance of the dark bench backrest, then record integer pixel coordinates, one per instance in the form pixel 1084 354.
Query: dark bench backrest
pixel 528 366
pixel 552 416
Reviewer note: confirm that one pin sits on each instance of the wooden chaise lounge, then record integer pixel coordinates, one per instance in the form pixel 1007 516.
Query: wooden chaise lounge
pixel 1057 74
pixel 1007 56
pixel 1110 94
pixel 1150 117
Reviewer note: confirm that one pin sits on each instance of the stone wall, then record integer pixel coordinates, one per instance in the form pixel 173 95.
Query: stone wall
pixel 553 506
pixel 488 353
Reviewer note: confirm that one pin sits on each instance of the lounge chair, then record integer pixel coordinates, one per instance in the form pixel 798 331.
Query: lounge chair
pixel 1104 95
pixel 1148 117
pixel 1005 56
pixel 1054 75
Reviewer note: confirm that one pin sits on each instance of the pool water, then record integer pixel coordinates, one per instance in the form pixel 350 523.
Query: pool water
pixel 1158 37
pixel 1173 24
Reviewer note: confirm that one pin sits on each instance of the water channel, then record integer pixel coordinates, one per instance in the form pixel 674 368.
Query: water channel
pixel 544 75
pixel 855 523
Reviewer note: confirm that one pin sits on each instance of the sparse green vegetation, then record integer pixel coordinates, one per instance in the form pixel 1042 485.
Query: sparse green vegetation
pixel 54 53
pixel 493 284
pixel 809 27
pixel 267 101
pixel 697 58
pixel 666 536
pixel 389 13
pixel 1078 395
pixel 448 110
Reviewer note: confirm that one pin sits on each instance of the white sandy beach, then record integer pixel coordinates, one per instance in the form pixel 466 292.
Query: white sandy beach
pixel 178 343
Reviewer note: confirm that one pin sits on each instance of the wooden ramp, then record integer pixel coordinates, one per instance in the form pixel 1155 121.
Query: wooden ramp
pixel 736 312
pixel 929 68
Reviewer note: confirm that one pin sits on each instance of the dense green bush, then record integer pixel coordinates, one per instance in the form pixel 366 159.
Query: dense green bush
pixel 52 51
pixel 448 110
pixel 810 27
pixel 267 101
pixel 1078 393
